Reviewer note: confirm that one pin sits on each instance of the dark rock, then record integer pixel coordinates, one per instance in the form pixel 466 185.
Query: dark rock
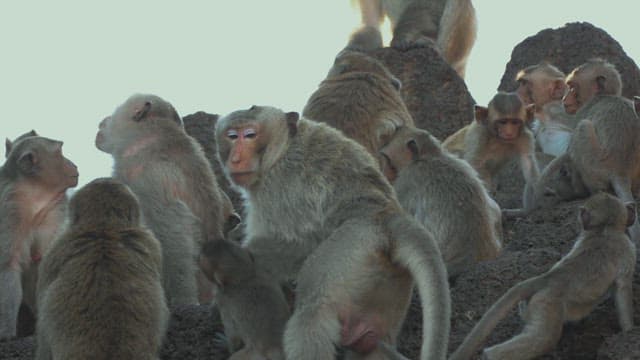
pixel 437 98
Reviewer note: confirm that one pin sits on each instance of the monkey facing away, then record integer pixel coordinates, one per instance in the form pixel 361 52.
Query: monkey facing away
pixel 178 193
pixel 543 85
pixel 361 98
pixel 320 212
pixel 450 25
pixel 253 307
pixel 445 194
pixel 99 291
pixel 33 202
pixel 604 151
pixel 602 258
pixel 498 134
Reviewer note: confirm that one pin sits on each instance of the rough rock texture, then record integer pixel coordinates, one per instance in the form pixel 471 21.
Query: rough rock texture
pixel 436 96
pixel 202 127
pixel 568 47
pixel 623 346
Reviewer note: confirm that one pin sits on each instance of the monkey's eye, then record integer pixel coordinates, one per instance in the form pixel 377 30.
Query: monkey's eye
pixel 232 134
pixel 249 133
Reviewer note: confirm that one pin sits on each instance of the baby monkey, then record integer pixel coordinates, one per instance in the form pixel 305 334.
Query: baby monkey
pixel 253 307
pixel 602 259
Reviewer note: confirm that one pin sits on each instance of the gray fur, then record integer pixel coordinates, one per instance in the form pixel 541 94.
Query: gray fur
pixel 324 196
pixel 99 293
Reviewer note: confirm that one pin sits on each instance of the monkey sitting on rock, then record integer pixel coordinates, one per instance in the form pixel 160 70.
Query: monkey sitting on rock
pixel 602 259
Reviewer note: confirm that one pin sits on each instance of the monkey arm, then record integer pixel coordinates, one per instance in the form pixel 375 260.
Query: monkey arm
pixel 624 301
pixel 10 299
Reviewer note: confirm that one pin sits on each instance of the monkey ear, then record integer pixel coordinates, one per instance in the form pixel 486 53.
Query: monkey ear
pixel 481 114
pixel 600 83
pixel 585 218
pixel 292 122
pixel 631 213
pixel 32 133
pixel 142 113
pixel 7 147
pixel 27 162
pixel 531 111
pixel 558 90
pixel 396 83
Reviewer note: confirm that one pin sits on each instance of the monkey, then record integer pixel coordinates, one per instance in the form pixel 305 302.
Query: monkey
pixel 543 85
pixel 604 151
pixel 179 195
pixel 320 213
pixel 9 143
pixel 445 194
pixel 602 258
pixel 99 290
pixel 499 133
pixel 450 26
pixel 361 98
pixel 257 324
pixel 33 183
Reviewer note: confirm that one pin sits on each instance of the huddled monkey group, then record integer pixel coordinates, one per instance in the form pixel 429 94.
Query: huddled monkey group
pixel 346 208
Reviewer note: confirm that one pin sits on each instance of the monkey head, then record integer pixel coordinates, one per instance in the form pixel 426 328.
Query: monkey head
pixel 506 116
pixel 224 262
pixel 138 115
pixel 348 62
pixel 540 84
pixel 251 141
pixel 407 145
pixel 595 77
pixel 39 160
pixel 605 210
pixel 104 201
pixel 9 144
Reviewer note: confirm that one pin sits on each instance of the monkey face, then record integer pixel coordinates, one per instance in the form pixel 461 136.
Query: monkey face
pixel 508 129
pixel 41 159
pixel 243 157
pixel 571 99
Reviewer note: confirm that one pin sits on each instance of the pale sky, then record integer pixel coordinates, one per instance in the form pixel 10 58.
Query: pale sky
pixel 65 65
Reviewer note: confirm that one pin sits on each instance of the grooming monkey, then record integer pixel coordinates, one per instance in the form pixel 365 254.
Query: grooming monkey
pixel 498 134
pixel 446 195
pixel 361 98
pixel 320 212
pixel 602 258
pixel 178 193
pixel 253 307
pixel 543 85
pixel 604 151
pixel 33 201
pixel 450 25
pixel 99 292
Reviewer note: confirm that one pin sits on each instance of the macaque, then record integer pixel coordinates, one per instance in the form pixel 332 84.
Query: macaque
pixel 178 193
pixel 99 289
pixel 448 25
pixel 445 194
pixel 320 213
pixel 543 85
pixel 602 259
pixel 361 98
pixel 33 201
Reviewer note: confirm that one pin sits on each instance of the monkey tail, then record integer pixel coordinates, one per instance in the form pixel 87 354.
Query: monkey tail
pixel 496 312
pixel 417 250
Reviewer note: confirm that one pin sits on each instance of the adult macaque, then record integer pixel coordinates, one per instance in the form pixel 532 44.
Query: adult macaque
pixel 320 212
pixel 604 152
pixel 543 85
pixel 178 193
pixel 361 98
pixel 498 134
pixel 450 25
pixel 99 292
pixel 445 194
pixel 252 305
pixel 602 259
pixel 33 201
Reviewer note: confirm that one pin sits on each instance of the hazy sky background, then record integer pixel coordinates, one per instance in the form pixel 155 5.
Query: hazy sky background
pixel 65 65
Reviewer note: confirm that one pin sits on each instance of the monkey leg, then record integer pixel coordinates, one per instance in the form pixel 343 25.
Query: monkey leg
pixel 544 318
pixel 10 299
